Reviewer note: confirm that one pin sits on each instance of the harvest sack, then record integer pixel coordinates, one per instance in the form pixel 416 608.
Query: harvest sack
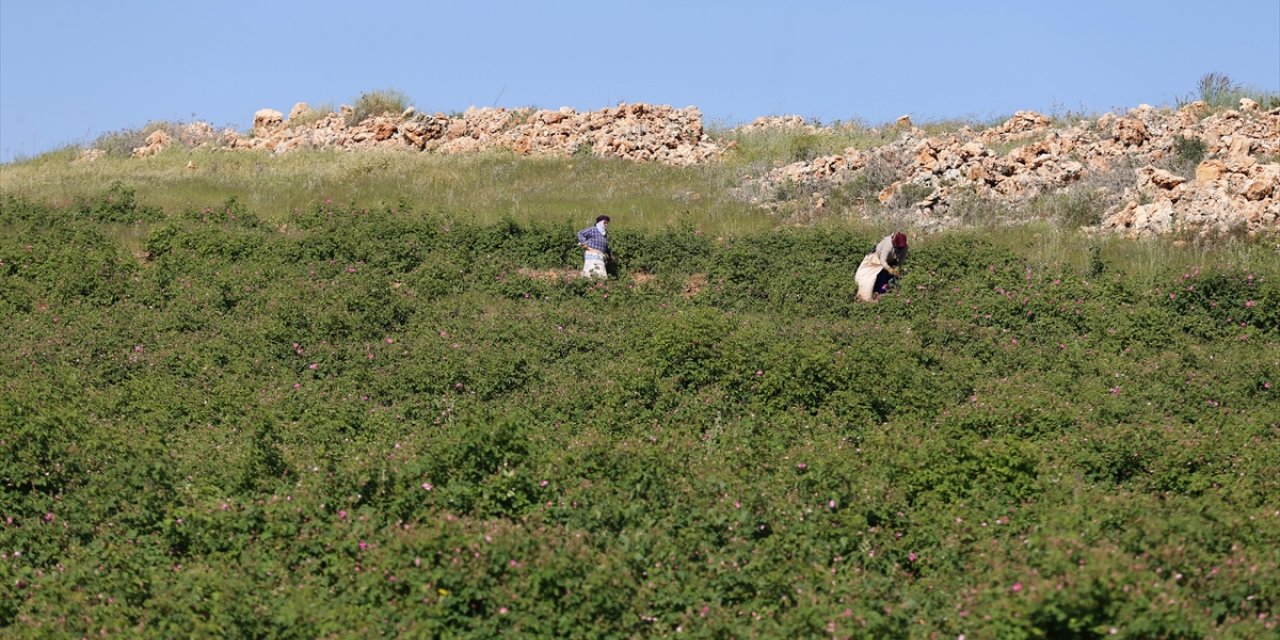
pixel 866 274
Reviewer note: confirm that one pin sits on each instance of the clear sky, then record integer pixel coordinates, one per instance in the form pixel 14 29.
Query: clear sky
pixel 72 70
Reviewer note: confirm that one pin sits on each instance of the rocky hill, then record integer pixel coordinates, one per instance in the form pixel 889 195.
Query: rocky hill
pixel 1150 170
pixel 1236 188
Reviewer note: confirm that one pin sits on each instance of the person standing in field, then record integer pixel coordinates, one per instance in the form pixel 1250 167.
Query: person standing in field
pixel 881 267
pixel 595 244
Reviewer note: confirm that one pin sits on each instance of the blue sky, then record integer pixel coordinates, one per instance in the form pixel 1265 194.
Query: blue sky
pixel 70 71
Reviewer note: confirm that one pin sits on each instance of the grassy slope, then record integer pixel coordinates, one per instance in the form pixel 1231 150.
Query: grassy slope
pixel 485 187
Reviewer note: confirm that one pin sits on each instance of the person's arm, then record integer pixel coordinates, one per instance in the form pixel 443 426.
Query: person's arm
pixel 893 263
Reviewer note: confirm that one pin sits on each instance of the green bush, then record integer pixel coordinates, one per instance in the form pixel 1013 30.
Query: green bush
pixel 1191 149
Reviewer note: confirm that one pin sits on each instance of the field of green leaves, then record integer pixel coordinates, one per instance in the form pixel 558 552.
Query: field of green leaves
pixel 380 422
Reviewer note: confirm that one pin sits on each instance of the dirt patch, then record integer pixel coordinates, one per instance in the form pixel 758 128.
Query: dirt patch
pixel 694 285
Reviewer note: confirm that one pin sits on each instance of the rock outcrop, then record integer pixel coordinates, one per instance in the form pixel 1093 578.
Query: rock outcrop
pixel 634 131
pixel 1236 190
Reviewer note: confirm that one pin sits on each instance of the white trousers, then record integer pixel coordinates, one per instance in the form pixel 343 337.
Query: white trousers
pixel 593 267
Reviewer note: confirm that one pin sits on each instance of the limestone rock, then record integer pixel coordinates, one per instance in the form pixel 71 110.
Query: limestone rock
pixel 1130 131
pixel 1159 178
pixel 266 119
pixel 1210 170
pixel 1259 189
pixel 155 143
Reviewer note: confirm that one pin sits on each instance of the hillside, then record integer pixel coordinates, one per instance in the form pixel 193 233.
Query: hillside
pixel 1149 171
pixel 341 377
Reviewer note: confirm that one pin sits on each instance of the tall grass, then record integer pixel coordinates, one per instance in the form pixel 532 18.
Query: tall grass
pixel 1145 263
pixel 484 187
pixel 1220 92
pixel 377 103
pixel 781 145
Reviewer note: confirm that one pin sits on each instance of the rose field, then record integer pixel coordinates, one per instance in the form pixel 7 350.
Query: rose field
pixel 340 420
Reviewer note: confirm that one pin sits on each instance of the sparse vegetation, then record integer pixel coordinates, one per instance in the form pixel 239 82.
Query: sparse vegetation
pixel 121 143
pixel 377 103
pixel 1073 207
pixel 864 188
pixel 312 115
pixel 1219 92
pixel 780 145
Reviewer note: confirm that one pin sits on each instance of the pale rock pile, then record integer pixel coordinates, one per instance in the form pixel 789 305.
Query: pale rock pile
pixel 1237 189
pixel 779 122
pixel 1225 197
pixel 633 131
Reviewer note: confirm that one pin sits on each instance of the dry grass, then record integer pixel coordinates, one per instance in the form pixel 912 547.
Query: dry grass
pixel 484 187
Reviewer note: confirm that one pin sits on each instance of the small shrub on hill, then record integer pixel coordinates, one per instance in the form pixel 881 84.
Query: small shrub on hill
pixel 377 103
pixel 1190 149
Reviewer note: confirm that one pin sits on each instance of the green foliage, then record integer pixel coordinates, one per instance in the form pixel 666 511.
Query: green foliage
pixel 382 422
pixel 1190 149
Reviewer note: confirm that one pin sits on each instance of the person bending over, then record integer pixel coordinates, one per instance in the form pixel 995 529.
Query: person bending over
pixel 880 268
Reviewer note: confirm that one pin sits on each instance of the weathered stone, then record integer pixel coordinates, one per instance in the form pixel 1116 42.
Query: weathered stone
pixel 1258 189
pixel 383 129
pixel 1154 219
pixel 297 110
pixel 156 142
pixel 1241 147
pixel 1160 178
pixel 265 119
pixel 1210 170
pixel 1131 131
pixel 779 122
